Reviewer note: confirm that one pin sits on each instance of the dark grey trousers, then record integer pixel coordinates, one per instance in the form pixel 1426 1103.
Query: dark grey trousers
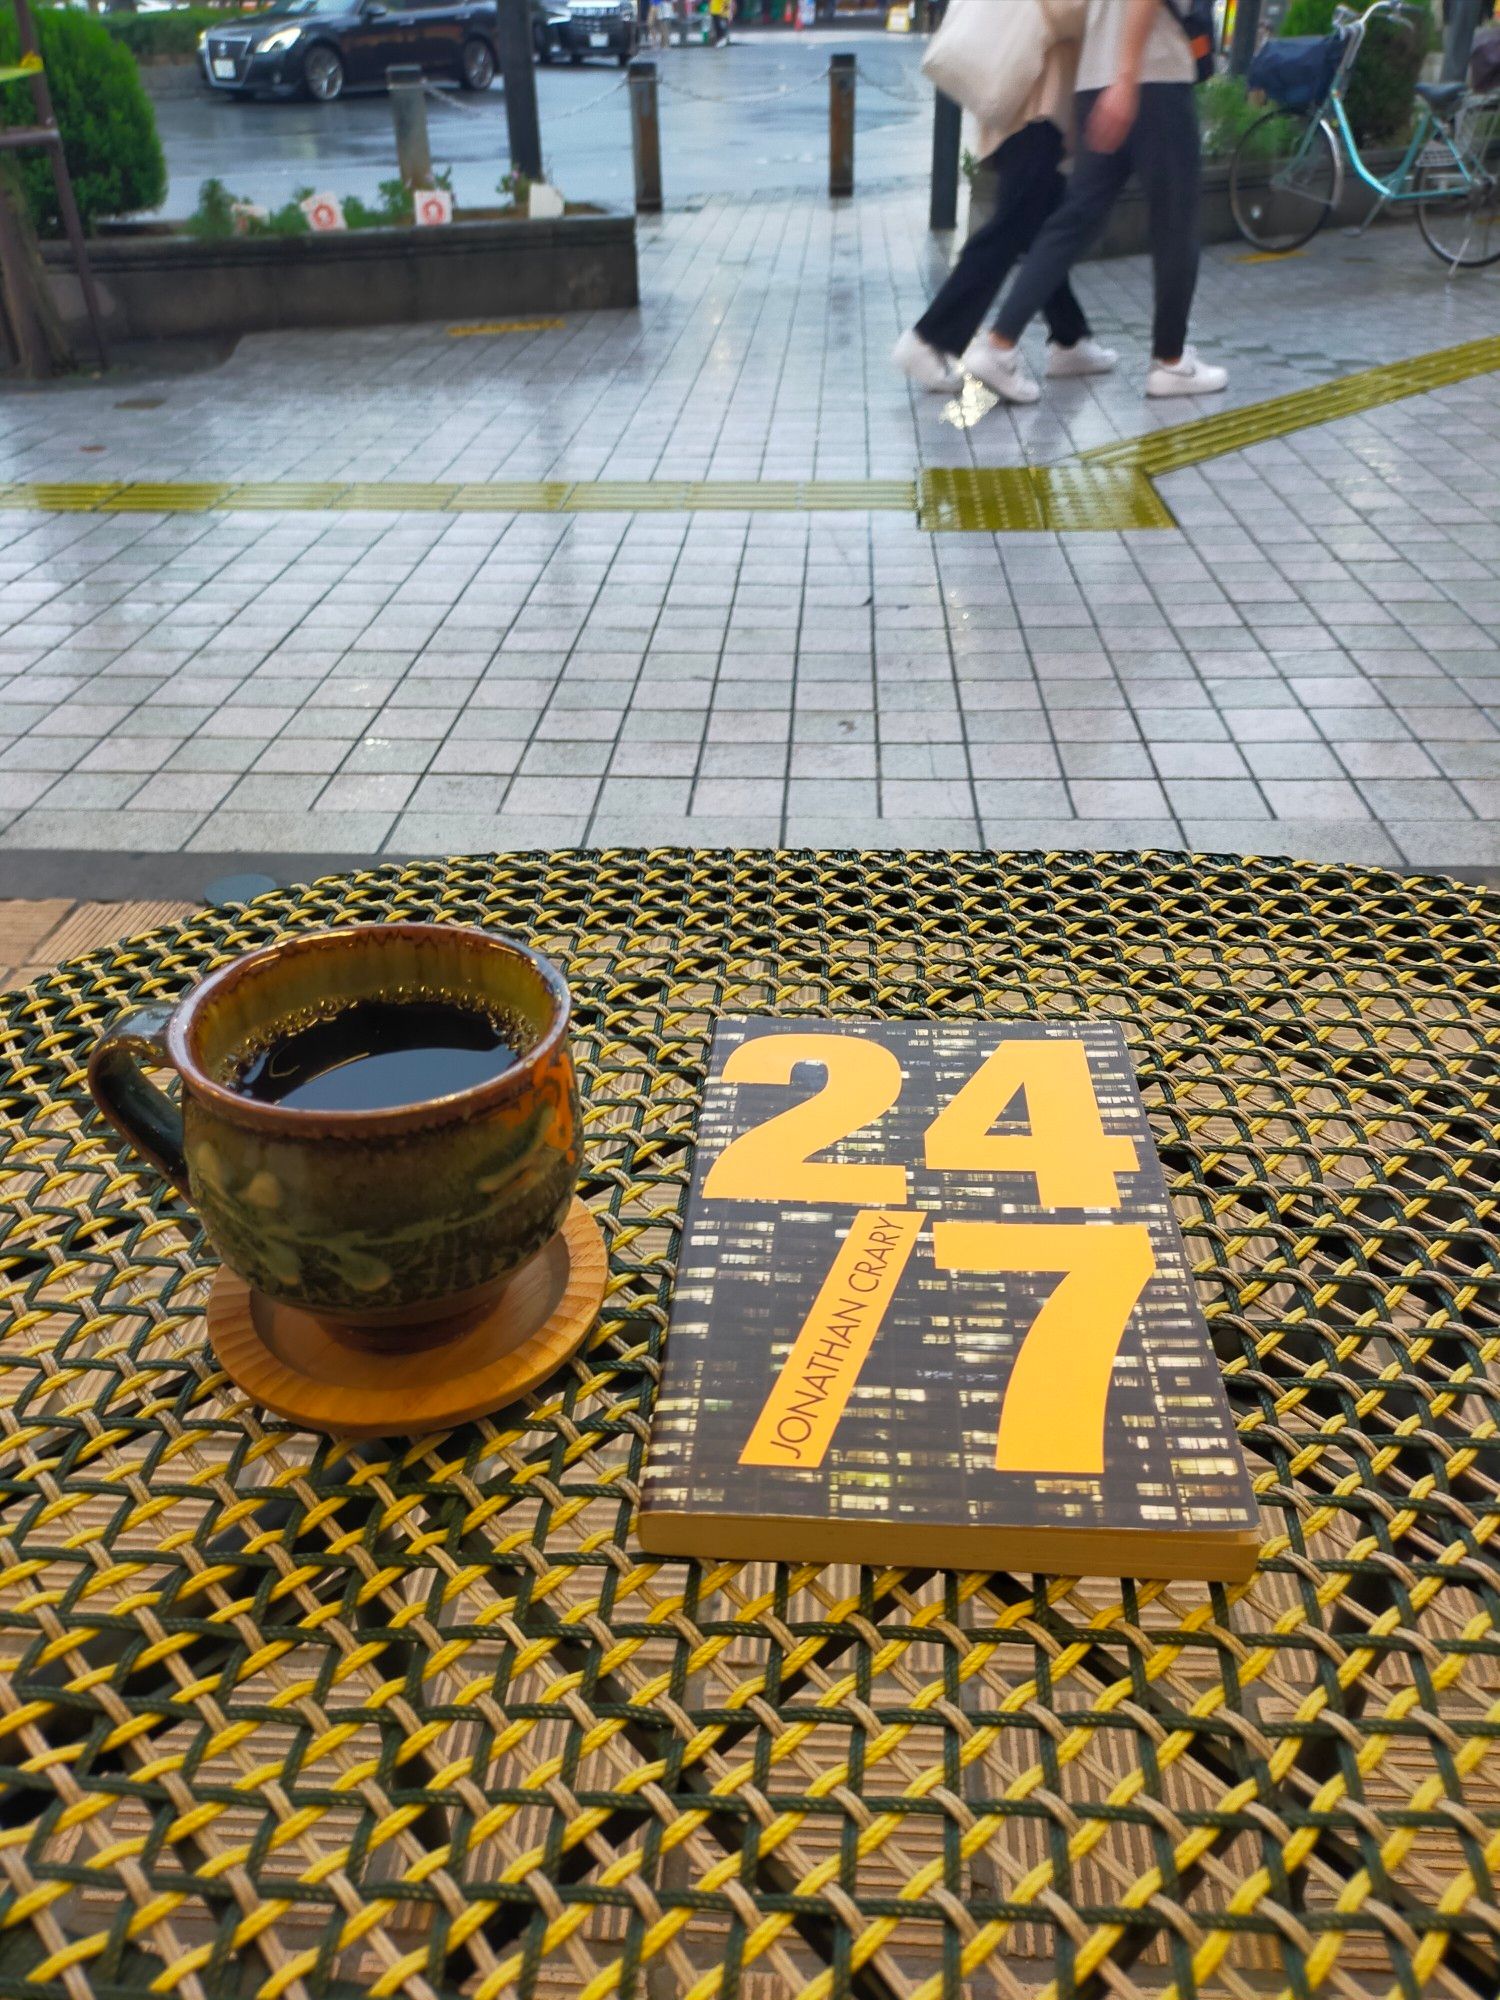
pixel 1163 151
pixel 1028 170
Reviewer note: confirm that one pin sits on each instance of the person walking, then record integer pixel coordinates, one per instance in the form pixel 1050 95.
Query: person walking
pixel 1136 115
pixel 1027 164
pixel 718 14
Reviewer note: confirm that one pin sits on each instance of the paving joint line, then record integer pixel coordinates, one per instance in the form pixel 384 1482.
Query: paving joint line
pixel 1109 489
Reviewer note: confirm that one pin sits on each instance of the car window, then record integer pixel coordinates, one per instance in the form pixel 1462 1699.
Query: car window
pixel 304 7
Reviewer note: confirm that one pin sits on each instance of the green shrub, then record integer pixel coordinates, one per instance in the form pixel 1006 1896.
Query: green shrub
pixel 213 220
pixel 164 37
pixel 107 124
pixel 1379 96
pixel 1228 112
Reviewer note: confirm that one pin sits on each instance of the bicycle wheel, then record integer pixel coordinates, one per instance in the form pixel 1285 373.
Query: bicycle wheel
pixel 1458 213
pixel 1280 199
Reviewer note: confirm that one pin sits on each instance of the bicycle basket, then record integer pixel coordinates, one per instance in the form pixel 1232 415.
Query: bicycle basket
pixel 1297 73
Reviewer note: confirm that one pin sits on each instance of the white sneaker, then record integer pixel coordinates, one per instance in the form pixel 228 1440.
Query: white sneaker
pixel 1187 377
pixel 1085 357
pixel 1002 369
pixel 922 364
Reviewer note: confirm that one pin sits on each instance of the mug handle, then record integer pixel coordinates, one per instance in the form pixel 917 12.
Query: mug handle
pixel 143 1115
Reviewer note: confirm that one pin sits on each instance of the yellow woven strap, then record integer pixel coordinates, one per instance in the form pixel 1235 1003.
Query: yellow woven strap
pixel 309 1720
pixel 29 65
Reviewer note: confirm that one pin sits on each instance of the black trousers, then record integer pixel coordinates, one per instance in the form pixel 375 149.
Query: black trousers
pixel 1031 187
pixel 1163 150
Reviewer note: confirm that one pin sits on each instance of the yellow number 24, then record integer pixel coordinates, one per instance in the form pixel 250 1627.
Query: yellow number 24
pixel 1065 1148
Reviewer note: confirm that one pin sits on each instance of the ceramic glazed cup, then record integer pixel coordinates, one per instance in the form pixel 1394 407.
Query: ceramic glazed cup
pixel 375 1219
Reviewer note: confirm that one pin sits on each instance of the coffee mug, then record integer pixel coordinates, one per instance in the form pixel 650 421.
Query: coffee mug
pixel 378 1218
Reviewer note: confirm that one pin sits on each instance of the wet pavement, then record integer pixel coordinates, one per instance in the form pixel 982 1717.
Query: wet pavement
pixel 752 118
pixel 1309 663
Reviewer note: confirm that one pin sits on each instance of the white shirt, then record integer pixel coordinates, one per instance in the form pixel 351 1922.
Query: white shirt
pixel 1167 58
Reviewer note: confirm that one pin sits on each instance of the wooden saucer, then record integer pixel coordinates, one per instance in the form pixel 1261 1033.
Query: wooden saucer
pixel 326 1381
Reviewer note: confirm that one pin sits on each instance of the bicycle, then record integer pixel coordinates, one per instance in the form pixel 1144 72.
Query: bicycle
pixel 1450 172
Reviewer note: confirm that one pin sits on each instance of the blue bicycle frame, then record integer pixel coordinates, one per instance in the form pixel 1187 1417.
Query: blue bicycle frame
pixel 1398 188
pixel 1345 145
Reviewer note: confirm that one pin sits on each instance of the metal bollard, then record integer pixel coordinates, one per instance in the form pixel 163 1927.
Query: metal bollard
pixel 645 136
pixel 1462 18
pixel 841 125
pixel 947 129
pixel 518 78
pixel 1246 38
pixel 409 115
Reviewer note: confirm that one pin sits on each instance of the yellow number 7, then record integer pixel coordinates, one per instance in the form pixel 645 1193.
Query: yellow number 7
pixel 1053 1416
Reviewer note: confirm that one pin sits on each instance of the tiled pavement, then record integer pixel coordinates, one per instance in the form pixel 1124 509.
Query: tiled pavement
pixel 1308 666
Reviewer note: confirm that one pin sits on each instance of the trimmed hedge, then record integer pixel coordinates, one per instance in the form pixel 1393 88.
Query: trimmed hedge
pixel 1379 97
pixel 1226 112
pixel 107 124
pixel 165 37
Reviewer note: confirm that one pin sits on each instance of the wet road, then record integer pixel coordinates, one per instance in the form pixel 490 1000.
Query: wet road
pixel 753 117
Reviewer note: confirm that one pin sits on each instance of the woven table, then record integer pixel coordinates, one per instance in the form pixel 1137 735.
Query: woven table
pixel 284 1716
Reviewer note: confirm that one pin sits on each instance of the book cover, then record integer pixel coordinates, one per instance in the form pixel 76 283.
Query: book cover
pixel 932 1306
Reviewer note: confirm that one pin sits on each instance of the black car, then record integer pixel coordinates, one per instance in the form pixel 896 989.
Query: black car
pixel 324 47
pixel 599 28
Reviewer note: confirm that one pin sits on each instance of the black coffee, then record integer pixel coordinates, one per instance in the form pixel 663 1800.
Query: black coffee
pixel 375 1054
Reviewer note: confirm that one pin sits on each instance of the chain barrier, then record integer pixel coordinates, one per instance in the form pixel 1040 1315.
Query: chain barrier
pixel 577 110
pixel 448 101
pixel 751 97
pixel 451 103
pixel 891 90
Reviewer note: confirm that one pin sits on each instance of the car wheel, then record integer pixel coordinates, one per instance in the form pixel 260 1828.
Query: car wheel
pixel 624 58
pixel 476 65
pixel 323 74
pixel 576 58
pixel 541 43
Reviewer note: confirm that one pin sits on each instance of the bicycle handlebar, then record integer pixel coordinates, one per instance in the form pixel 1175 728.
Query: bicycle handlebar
pixel 1350 17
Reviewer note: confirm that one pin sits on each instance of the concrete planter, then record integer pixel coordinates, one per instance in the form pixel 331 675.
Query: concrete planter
pixel 157 286
pixel 1127 233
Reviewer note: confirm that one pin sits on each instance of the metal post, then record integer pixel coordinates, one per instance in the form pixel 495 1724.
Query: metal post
pixel 947 126
pixel 513 34
pixel 841 125
pixel 1458 40
pixel 409 115
pixel 1246 39
pixel 645 136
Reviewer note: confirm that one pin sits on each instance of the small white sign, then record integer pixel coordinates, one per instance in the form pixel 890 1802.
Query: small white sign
pixel 432 207
pixel 324 211
pixel 546 202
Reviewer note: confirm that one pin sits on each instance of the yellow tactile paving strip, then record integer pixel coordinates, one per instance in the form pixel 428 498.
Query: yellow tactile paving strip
pixel 1034 498
pixel 1233 430
pixel 1106 490
pixel 486 329
pixel 536 496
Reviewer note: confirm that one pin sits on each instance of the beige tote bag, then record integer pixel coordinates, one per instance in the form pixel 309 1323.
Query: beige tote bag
pixel 988 55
